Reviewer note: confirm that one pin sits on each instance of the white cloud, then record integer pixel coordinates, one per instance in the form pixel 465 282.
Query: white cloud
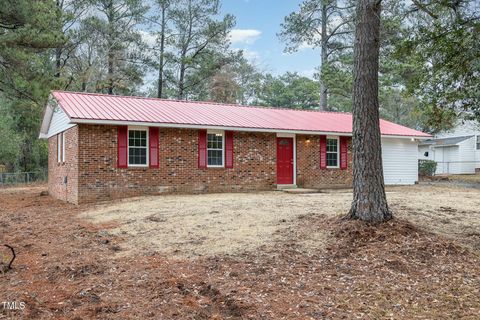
pixel 335 21
pixel 310 73
pixel 245 36
pixel 305 46
pixel 252 56
pixel 148 38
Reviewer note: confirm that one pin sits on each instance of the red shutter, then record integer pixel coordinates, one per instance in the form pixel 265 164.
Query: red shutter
pixel 228 149
pixel 323 152
pixel 343 152
pixel 153 142
pixel 122 146
pixel 202 148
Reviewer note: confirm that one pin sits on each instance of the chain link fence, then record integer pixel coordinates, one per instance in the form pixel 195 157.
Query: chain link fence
pixel 457 167
pixel 16 178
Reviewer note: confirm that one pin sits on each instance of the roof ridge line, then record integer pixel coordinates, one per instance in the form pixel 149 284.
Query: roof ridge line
pixel 203 102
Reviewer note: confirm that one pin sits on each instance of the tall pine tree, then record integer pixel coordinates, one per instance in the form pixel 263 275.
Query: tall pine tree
pixel 28 32
pixel 369 199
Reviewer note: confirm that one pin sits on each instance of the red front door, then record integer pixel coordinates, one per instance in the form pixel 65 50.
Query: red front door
pixel 284 160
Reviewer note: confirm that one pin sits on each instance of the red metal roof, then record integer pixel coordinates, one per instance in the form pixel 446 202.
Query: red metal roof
pixel 90 107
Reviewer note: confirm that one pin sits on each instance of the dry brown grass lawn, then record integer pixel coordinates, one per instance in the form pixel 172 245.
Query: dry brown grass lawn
pixel 469 178
pixel 199 225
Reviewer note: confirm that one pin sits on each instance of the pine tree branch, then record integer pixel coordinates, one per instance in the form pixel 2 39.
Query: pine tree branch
pixel 334 31
pixel 424 8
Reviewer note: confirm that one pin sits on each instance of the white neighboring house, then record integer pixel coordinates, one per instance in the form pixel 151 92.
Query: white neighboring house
pixel 456 151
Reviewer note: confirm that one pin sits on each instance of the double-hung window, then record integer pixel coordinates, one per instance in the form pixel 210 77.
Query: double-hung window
pixel 137 147
pixel 478 142
pixel 333 154
pixel 61 147
pixel 215 149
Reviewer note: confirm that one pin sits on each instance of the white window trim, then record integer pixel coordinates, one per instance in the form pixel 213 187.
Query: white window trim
pixel 59 147
pixel 133 128
pixel 223 148
pixel 338 152
pixel 63 147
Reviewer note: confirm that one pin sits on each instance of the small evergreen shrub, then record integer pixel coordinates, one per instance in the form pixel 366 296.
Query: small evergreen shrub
pixel 427 167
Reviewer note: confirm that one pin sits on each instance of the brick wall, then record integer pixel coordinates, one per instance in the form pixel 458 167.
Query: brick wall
pixel 309 174
pixel 58 186
pixel 91 166
pixel 254 165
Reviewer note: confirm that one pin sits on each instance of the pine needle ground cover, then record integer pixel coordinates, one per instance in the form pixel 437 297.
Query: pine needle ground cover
pixel 230 256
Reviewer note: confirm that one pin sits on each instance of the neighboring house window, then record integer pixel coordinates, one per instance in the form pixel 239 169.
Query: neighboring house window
pixel 61 147
pixel 332 153
pixel 137 147
pixel 478 142
pixel 215 149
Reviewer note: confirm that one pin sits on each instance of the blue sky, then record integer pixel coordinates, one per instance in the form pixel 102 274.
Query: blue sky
pixel 258 22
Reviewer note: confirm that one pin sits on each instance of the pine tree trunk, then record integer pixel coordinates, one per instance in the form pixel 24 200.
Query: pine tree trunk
pixel 110 72
pixel 58 62
pixel 58 51
pixel 323 88
pixel 162 53
pixel 185 44
pixel 110 50
pixel 369 200
pixel 181 81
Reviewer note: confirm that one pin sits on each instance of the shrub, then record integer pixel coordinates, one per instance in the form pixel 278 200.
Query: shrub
pixel 427 167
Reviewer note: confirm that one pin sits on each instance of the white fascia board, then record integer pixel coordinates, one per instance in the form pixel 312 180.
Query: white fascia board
pixel 412 138
pixel 48 116
pixel 285 135
pixel 196 126
pixel 446 145
pixel 224 128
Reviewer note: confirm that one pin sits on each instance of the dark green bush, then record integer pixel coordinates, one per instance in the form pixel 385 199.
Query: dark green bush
pixel 427 167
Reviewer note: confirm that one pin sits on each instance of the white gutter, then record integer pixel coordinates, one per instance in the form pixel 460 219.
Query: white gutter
pixel 445 145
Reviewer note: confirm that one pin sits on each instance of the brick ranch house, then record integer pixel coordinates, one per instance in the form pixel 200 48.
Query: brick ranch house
pixel 105 147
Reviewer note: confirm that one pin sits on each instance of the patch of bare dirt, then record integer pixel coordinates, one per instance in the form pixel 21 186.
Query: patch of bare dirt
pixel 69 268
pixel 447 210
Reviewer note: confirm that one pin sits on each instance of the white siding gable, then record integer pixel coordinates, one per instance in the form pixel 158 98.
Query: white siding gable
pixel 447 159
pixel 466 129
pixel 60 122
pixel 426 149
pixel 467 155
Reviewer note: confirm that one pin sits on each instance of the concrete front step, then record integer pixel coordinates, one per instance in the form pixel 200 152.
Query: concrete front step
pixel 286 186
pixel 301 191
pixel 329 188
